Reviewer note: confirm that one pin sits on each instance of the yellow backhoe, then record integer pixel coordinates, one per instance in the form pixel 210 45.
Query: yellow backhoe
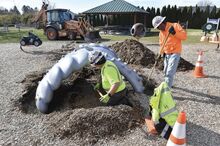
pixel 62 23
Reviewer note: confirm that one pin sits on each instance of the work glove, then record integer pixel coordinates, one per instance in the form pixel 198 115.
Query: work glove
pixel 97 86
pixel 160 56
pixel 105 98
pixel 172 31
pixel 150 126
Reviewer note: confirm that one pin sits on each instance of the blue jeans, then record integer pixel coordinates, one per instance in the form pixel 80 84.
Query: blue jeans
pixel 170 66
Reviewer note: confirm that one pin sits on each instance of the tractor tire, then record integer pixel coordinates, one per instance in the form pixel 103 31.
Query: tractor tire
pixel 82 37
pixel 51 33
pixel 72 35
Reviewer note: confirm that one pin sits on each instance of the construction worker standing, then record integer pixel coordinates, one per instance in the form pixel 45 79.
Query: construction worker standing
pixel 163 113
pixel 112 81
pixel 170 38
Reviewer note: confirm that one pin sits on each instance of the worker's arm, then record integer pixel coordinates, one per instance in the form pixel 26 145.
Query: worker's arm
pixel 113 88
pixel 155 116
pixel 180 32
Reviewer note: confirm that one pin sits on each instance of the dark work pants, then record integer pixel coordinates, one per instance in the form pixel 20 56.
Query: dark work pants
pixel 119 98
pixel 162 127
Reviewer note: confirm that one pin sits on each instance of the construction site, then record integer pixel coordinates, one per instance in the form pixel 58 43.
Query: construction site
pixel 48 94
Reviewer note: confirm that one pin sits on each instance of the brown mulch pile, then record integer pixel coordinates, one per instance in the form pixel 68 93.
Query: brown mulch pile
pixel 134 52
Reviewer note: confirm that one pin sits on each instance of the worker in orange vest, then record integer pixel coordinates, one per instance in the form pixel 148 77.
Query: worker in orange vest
pixel 172 45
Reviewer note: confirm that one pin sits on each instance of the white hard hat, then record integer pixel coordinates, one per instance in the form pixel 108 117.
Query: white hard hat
pixel 157 21
pixel 96 57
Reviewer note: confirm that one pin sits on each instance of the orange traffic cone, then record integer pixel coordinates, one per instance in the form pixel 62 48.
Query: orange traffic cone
pixel 178 134
pixel 198 72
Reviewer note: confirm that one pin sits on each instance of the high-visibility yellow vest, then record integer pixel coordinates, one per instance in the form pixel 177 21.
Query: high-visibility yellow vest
pixel 163 105
pixel 111 75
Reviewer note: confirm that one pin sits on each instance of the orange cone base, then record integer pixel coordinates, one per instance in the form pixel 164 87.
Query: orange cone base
pixel 198 73
pixel 199 76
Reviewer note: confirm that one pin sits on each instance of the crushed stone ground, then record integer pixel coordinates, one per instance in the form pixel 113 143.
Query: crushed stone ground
pixel 22 124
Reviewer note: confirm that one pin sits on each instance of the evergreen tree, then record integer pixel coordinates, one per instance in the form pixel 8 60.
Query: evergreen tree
pixel 218 14
pixel 149 18
pixel 164 11
pixel 168 13
pixel 158 12
pixel 189 19
pixel 196 19
pixel 15 10
pixel 205 14
pixel 184 15
pixel 179 14
pixel 173 14
pixel 213 12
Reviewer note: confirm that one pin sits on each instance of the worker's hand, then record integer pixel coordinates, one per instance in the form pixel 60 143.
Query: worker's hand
pixel 160 56
pixel 105 98
pixel 97 86
pixel 150 126
pixel 172 30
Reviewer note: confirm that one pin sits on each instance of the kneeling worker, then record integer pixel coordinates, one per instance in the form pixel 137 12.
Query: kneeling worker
pixel 112 81
pixel 163 112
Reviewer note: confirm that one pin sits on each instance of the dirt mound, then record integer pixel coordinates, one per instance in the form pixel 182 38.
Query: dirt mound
pixel 134 52
pixel 26 102
pixel 73 92
pixel 81 116
pixel 87 126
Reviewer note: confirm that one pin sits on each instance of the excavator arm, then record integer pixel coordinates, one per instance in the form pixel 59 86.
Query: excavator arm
pixel 41 15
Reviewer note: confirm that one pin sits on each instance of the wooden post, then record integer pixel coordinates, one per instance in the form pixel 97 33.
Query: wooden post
pixel 107 20
pixel 145 19
pixel 135 18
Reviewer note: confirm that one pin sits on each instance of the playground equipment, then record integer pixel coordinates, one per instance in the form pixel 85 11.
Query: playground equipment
pixel 138 31
pixel 31 39
pixel 211 25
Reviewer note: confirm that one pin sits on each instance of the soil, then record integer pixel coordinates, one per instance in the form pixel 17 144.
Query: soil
pixel 74 120
pixel 83 117
pixel 134 52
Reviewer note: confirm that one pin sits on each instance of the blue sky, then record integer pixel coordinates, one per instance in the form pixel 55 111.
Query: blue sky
pixel 77 6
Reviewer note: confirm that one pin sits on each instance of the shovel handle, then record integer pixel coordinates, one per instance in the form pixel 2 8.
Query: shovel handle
pixel 158 57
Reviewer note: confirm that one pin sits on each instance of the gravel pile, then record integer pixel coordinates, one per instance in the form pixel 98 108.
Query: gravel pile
pixel 200 98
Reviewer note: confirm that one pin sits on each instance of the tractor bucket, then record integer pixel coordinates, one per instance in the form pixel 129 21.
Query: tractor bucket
pixel 92 36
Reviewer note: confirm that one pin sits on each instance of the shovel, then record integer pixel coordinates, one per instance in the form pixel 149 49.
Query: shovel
pixel 100 93
pixel 158 57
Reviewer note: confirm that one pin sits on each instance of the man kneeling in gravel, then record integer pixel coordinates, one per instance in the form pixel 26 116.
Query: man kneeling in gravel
pixel 112 81
pixel 163 113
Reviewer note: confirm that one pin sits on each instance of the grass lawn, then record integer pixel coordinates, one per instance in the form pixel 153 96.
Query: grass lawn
pixel 14 36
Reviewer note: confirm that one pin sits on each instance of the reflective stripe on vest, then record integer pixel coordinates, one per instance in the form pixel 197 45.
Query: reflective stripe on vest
pixel 164 130
pixel 165 90
pixel 168 112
